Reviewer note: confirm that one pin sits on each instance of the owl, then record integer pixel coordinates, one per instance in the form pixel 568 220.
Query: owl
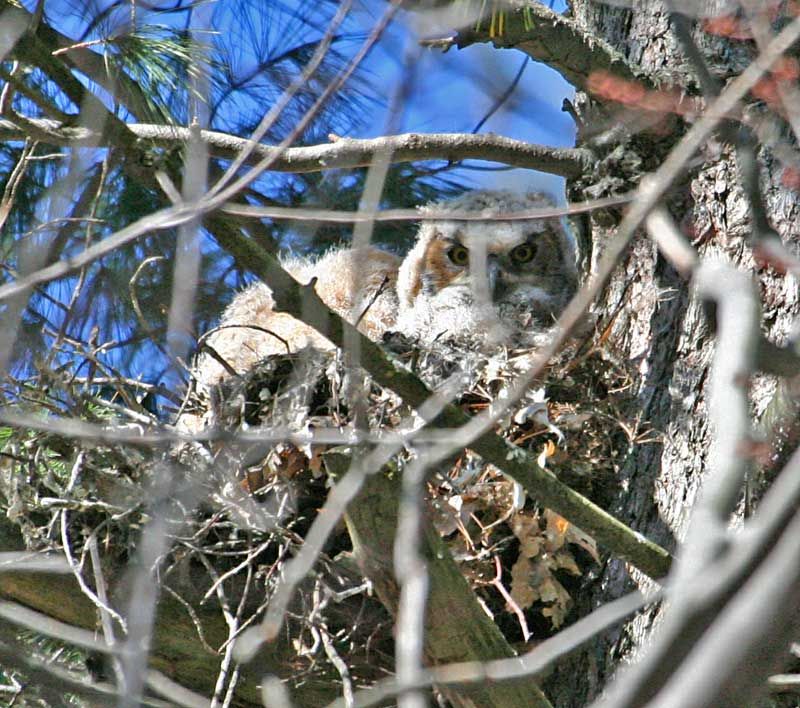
pixel 489 281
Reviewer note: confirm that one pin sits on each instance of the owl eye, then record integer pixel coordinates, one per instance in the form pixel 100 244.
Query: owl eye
pixel 459 255
pixel 523 253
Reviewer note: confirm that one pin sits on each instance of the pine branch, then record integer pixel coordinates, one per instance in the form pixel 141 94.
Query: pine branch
pixel 42 40
pixel 342 153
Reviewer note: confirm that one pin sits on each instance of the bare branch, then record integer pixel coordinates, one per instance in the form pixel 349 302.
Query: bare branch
pixel 180 214
pixel 334 216
pixel 671 242
pixel 342 153
pixel 731 662
pixel 411 571
pixel 707 541
pixel 739 318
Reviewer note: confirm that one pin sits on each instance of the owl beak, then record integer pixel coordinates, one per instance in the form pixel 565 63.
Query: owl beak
pixel 494 276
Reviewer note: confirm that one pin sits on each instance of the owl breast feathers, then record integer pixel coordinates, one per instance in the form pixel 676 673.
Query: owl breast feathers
pixel 491 282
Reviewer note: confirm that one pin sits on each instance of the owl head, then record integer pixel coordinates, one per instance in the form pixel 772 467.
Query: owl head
pixel 491 278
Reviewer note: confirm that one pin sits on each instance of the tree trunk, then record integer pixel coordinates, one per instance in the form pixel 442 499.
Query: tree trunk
pixel 661 330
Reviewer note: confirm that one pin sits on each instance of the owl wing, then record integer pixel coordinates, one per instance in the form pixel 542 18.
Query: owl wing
pixel 357 284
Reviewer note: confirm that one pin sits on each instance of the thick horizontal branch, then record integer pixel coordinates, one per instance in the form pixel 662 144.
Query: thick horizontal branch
pixel 546 36
pixel 343 153
pixel 339 216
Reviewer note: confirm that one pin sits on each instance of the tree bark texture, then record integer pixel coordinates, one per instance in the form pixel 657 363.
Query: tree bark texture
pixel 662 330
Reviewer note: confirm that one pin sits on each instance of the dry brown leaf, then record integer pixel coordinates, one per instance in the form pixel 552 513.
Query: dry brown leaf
pixel 563 559
pixel 557 528
pixel 521 591
pixel 526 528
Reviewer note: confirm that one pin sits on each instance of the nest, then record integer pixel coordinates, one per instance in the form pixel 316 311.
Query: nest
pixel 523 561
pixel 238 506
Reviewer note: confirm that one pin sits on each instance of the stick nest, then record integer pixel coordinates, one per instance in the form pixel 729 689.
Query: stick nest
pixel 237 507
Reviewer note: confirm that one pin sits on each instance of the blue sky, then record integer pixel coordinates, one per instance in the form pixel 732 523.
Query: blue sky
pixel 454 91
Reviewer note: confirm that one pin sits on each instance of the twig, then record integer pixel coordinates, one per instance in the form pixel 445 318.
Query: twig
pixel 231 620
pixel 671 242
pixel 412 576
pixel 274 693
pixel 770 358
pixel 165 493
pixel 192 615
pixel 784 683
pixel 682 29
pixel 378 291
pixel 339 664
pixel 497 583
pixel 221 360
pixel 31 561
pixel 354 217
pixel 11 79
pixel 105 617
pixel 77 571
pixel 176 215
pixel 14 180
pixel 201 345
pixel 174 692
pixel 132 285
pixel 186 268
pixel 766 242
pixel 44 624
pixel 503 97
pixel 739 318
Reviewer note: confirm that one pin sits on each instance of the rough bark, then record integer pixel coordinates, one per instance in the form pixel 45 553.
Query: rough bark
pixel 660 327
